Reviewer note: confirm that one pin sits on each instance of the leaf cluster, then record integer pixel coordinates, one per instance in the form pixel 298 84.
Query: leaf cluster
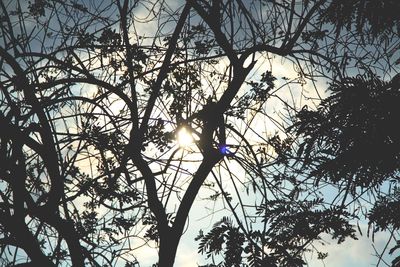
pixel 370 17
pixel 353 135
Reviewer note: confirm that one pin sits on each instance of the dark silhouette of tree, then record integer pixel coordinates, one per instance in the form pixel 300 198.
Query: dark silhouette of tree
pixel 352 140
pixel 353 135
pixel 95 94
pixel 368 17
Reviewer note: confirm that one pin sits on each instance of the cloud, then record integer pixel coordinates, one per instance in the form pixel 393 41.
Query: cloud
pixel 352 252
pixel 186 257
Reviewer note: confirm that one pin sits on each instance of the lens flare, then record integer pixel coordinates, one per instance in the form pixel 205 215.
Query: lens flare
pixel 224 149
pixel 184 137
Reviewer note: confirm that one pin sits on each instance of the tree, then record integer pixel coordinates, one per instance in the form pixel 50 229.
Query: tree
pixel 352 140
pixel 94 95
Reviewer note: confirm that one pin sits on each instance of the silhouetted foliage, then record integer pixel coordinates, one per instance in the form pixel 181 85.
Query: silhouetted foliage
pixel 353 134
pixel 352 139
pixel 95 95
pixel 370 17
pixel 292 224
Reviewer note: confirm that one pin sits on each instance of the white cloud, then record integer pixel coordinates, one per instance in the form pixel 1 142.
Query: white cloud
pixel 186 257
pixel 352 252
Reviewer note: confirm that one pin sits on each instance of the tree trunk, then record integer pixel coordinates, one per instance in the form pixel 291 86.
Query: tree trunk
pixel 169 242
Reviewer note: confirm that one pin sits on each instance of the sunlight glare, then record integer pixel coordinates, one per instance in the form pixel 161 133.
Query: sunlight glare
pixel 184 137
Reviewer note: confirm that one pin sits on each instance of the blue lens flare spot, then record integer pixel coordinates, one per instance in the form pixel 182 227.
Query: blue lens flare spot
pixel 224 149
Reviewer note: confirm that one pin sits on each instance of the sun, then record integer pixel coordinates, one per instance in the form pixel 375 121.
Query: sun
pixel 184 137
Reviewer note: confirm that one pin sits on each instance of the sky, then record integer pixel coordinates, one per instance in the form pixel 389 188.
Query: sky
pixel 349 253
